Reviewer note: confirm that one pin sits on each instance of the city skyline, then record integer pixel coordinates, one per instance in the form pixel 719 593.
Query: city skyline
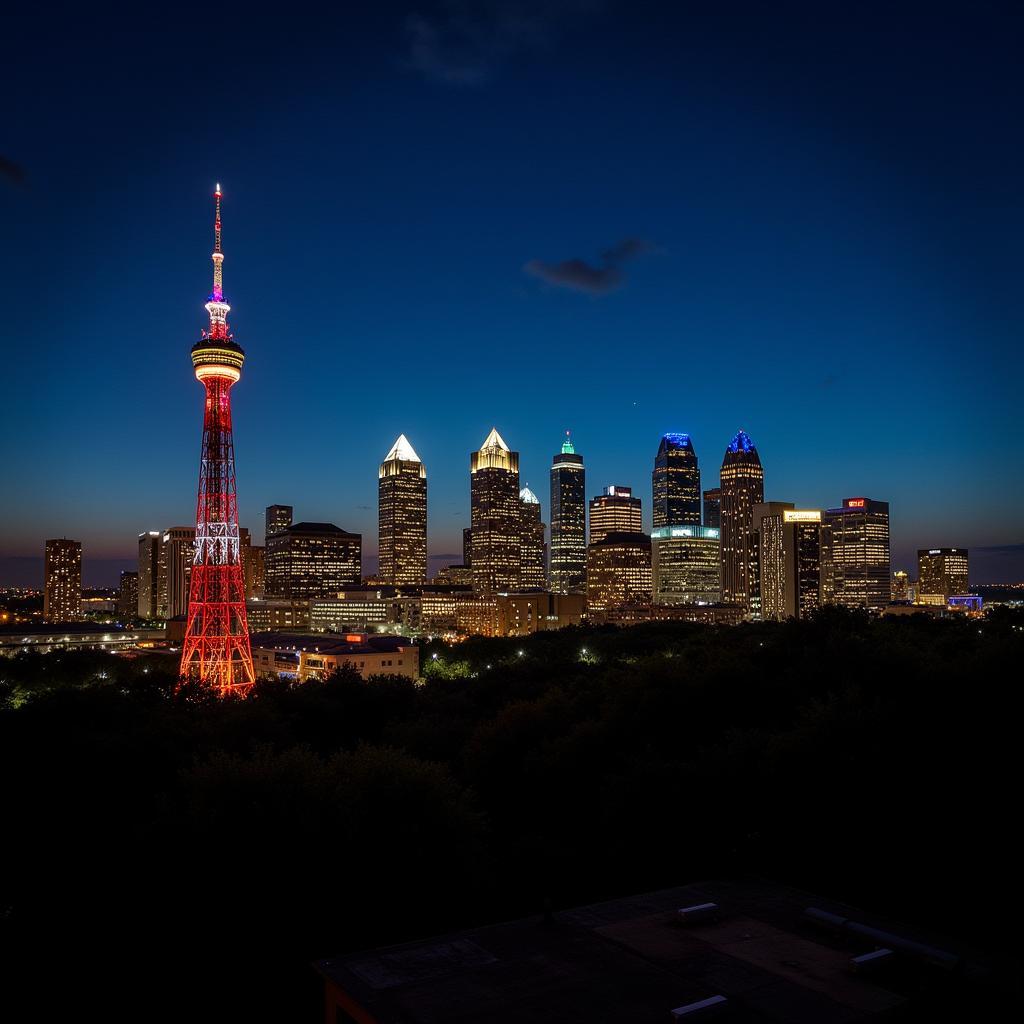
pixel 747 232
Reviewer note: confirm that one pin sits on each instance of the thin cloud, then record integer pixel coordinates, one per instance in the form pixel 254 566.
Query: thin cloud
pixel 465 43
pixel 591 278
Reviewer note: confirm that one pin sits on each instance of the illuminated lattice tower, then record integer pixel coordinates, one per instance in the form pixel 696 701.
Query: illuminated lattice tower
pixel 216 648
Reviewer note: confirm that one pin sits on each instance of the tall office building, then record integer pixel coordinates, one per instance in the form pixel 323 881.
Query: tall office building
pixel 496 516
pixel 532 551
pixel 278 519
pixel 619 570
pixel 859 553
pixel 675 482
pixel 900 589
pixel 713 507
pixel 62 592
pixel 254 568
pixel 149 574
pixel 568 568
pixel 313 560
pixel 128 596
pixel 686 565
pixel 467 547
pixel 177 552
pixel 942 571
pixel 402 516
pixel 615 511
pixel 787 541
pixel 742 487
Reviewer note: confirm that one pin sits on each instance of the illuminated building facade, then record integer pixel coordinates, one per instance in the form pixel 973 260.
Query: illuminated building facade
pixel 900 590
pixel 686 565
pixel 62 591
pixel 675 483
pixel 278 519
pixel 177 550
pixel 532 550
pixel 523 614
pixel 742 487
pixel 216 646
pixel 496 517
pixel 619 570
pixel 713 507
pixel 402 516
pixel 615 511
pixel 128 596
pixel 149 574
pixel 313 560
pixel 568 564
pixel 942 571
pixel 858 545
pixel 255 567
pixel 787 583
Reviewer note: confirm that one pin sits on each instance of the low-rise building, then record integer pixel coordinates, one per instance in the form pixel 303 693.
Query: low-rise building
pixel 301 657
pixel 275 613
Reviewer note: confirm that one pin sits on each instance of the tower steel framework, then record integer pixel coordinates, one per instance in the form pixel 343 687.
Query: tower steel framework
pixel 216 648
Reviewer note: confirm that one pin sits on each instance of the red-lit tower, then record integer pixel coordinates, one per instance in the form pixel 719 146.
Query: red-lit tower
pixel 216 648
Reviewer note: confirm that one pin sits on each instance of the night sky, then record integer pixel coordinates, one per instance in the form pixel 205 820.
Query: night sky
pixel 802 220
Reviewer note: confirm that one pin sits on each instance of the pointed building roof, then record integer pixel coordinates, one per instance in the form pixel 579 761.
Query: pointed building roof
pixel 528 496
pixel 742 443
pixel 494 441
pixel 402 451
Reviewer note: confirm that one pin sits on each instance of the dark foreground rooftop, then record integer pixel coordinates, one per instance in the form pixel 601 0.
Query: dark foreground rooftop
pixel 757 956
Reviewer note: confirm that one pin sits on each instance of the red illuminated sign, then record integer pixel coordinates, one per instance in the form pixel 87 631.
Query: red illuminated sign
pixel 856 502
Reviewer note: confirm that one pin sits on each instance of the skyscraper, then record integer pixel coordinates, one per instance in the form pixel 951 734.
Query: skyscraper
pixel 216 647
pixel 686 565
pixel 128 596
pixel 532 563
pixel 942 571
pixel 62 592
pixel 675 482
pixel 178 546
pixel 713 507
pixel 742 487
pixel 615 511
pixel 496 516
pixel 255 569
pixel 402 516
pixel 313 560
pixel 278 518
pixel 149 574
pixel 859 553
pixel 568 568
pixel 788 580
pixel 900 588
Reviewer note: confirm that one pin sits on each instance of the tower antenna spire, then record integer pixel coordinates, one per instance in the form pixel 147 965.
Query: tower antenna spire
pixel 217 307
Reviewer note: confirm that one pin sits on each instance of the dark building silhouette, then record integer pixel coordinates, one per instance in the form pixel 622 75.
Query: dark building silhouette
pixel 713 507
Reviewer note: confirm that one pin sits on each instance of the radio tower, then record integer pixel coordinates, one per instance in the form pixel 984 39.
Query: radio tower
pixel 216 648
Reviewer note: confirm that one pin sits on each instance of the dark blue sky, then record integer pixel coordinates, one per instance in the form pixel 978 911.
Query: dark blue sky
pixel 821 207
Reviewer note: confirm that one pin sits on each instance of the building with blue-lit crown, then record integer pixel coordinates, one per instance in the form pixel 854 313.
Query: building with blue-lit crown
pixel 742 487
pixel 675 482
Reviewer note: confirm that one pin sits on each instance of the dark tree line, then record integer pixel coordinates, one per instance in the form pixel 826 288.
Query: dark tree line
pixel 194 854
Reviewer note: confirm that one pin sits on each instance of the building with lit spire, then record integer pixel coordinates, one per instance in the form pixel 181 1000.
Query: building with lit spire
pixel 495 516
pixel 216 648
pixel 742 487
pixel 532 550
pixel 568 562
pixel 402 516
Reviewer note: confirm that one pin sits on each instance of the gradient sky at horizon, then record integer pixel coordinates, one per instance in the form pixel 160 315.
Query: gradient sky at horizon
pixel 442 217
